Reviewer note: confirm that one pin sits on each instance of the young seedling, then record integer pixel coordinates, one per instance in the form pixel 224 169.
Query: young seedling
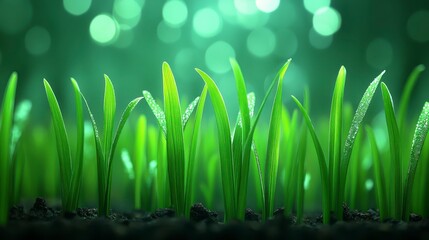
pixel 172 122
pixel 6 123
pixel 235 155
pixel 105 154
pixel 333 178
pixel 70 167
pixel 400 196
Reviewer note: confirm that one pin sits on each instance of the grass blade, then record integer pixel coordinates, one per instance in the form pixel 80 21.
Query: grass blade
pixel 379 176
pixel 335 134
pixel 322 163
pixel 157 111
pixel 193 152
pixel 420 134
pixel 62 145
pixel 273 149
pixel 175 140
pixel 406 94
pixel 395 153
pixel 300 160
pixel 6 121
pixel 225 148
pixel 140 162
pixel 76 175
pixel 354 128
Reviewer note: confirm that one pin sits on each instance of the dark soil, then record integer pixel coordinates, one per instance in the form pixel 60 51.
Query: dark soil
pixel 43 222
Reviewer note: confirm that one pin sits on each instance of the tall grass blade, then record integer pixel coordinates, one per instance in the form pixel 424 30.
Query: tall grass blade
pixel 351 137
pixel 188 111
pixel 175 140
pixel 335 134
pixel 420 134
pixel 225 146
pixel 6 121
pixel 109 114
pixel 190 184
pixel 140 162
pixel 322 163
pixel 273 149
pixel 380 184
pixel 62 145
pixel 395 154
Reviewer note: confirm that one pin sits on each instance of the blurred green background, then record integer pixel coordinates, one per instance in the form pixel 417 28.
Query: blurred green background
pixel 129 39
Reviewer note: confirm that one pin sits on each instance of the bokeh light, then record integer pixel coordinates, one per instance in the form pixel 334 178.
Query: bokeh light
pixel 77 7
pixel 267 6
pixel 326 21
pixel 369 184
pixel 261 42
pixel 379 53
pixel 127 13
pixel 103 29
pixel 15 15
pixel 319 41
pixel 168 34
pixel 207 22
pixel 313 5
pixel 125 39
pixel 418 26
pixel 217 57
pixel 245 6
pixel 175 13
pixel 37 40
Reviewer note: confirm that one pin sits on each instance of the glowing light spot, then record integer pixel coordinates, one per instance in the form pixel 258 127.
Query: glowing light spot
pixel 217 57
pixel 168 34
pixel 267 6
pixel 245 6
pixel 326 21
pixel 207 22
pixel 307 180
pixel 77 7
pixel 318 41
pixel 126 9
pixel 37 40
pixel 379 53
pixel 261 42
pixel 15 15
pixel 175 13
pixel 369 184
pixel 313 5
pixel 418 25
pixel 103 29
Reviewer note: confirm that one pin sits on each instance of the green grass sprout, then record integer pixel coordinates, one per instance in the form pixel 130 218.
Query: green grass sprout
pixel 105 156
pixel 6 123
pixel 70 167
pixel 172 122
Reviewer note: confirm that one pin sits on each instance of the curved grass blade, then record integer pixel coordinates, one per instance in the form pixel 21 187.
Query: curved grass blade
pixel 395 153
pixel 140 162
pixel 273 149
pixel 225 147
pixel 63 148
pixel 242 186
pixel 242 97
pixel 76 175
pixel 193 152
pixel 6 121
pixel 157 111
pixel 354 128
pixel 379 176
pixel 406 94
pixel 335 134
pixel 420 134
pixel 322 163
pixel 175 140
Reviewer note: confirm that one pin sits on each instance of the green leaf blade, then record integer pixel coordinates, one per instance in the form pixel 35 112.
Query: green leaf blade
pixel 156 110
pixel 109 114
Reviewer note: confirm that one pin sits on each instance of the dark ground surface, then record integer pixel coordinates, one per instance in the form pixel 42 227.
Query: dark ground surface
pixel 43 222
